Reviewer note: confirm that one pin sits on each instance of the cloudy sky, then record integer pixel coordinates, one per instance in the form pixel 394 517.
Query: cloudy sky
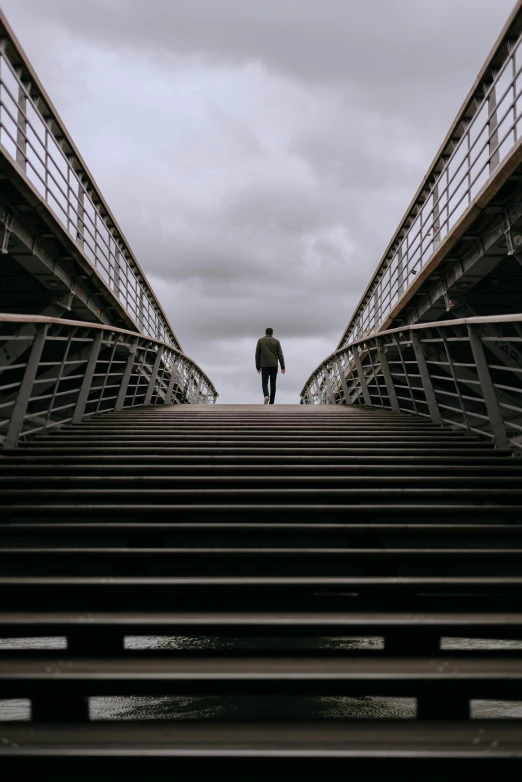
pixel 257 155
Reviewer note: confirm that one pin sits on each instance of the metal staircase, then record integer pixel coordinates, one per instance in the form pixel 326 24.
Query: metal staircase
pixel 275 528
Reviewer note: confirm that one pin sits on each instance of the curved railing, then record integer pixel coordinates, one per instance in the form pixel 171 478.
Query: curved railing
pixel 484 139
pixel 55 371
pixel 41 149
pixel 465 373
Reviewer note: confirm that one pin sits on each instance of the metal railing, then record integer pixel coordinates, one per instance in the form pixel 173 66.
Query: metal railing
pixel 38 144
pixel 465 373
pixel 485 133
pixel 68 370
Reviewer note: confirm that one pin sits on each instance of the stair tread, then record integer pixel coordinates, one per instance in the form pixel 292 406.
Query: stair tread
pixel 261 739
pixel 320 667
pixel 284 619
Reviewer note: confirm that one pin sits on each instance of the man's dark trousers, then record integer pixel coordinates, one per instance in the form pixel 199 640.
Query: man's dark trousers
pixel 269 372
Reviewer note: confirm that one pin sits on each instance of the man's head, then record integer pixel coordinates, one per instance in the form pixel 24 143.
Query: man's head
pixel 269 332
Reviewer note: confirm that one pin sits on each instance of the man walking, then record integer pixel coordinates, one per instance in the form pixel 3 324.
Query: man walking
pixel 268 354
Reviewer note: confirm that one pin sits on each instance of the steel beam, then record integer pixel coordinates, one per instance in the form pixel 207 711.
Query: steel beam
pixel 362 378
pixel 494 152
pixel 153 376
pixel 172 380
pixel 87 378
pixel 126 376
pixel 328 384
pixel 427 385
pixel 488 389
pixel 26 388
pixel 344 384
pixel 21 129
pixel 392 394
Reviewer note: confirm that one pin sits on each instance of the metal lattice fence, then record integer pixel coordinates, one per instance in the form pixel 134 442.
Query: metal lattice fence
pixel 55 371
pixel 463 373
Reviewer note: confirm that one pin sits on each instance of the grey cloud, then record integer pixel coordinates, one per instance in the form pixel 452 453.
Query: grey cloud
pixel 331 40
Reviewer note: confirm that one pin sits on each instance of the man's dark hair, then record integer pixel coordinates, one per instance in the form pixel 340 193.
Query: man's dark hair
pixel 269 332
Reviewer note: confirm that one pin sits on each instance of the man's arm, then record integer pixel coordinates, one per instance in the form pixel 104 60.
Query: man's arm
pixel 281 357
pixel 258 356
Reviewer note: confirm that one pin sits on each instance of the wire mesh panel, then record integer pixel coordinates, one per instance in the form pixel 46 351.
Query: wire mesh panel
pixel 463 373
pixel 54 371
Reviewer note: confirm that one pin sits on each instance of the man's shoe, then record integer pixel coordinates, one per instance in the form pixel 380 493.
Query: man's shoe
pixel 266 400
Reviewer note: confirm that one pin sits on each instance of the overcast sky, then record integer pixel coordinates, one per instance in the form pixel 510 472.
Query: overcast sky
pixel 258 154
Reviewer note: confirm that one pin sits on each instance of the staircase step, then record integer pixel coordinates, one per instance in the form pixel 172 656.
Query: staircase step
pixel 281 748
pixel 259 623
pixel 354 677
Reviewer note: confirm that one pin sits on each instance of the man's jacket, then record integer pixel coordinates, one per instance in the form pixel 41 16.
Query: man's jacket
pixel 268 353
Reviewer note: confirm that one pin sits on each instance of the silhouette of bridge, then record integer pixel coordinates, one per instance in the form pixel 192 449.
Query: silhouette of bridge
pixel 386 506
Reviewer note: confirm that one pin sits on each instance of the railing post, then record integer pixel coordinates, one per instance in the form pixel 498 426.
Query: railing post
pixel 85 390
pixel 26 387
pixel 318 391
pixel 362 378
pixel 392 394
pixel 494 152
pixel 122 393
pixel 154 375
pixel 21 130
pixel 200 390
pixel 344 384
pixel 427 385
pixel 488 389
pixel 172 380
pixel 80 218
pixel 328 384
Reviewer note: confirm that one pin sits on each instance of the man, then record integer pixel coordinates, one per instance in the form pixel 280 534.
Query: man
pixel 268 355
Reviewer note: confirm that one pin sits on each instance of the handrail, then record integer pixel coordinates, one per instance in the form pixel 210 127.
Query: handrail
pixel 464 373
pixel 36 141
pixel 485 133
pixel 55 371
pixel 418 327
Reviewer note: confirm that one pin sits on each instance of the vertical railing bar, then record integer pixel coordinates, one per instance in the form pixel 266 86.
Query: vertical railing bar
pixel 21 130
pixel 375 376
pixel 141 372
pixel 26 387
pixel 454 376
pixel 318 391
pixel 406 375
pixel 425 378
pixel 107 372
pixel 46 137
pixel 85 389
pixel 392 394
pixel 362 378
pixel 122 393
pixel 153 376
pixel 199 389
pixel 344 384
pixel 494 156
pixel 60 374
pixel 328 384
pixel 172 380
pixel 488 389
